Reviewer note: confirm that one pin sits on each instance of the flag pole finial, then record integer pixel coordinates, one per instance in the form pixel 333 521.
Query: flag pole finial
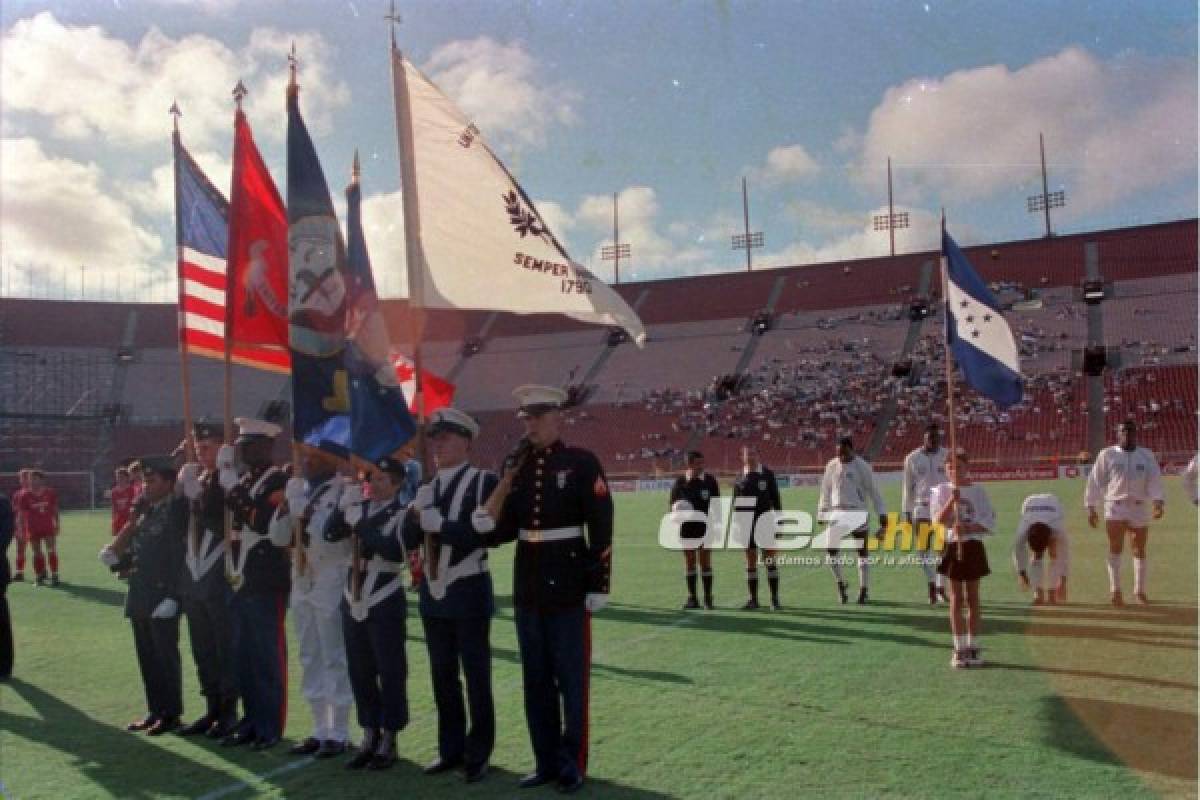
pixel 355 169
pixel 175 114
pixel 239 92
pixel 393 21
pixel 292 85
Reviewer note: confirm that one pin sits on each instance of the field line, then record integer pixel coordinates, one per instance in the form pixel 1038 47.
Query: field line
pixel 254 781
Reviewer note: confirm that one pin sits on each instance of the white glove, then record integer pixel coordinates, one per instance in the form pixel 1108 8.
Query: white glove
pixel 108 557
pixel 594 601
pixel 432 520
pixel 352 495
pixel 482 521
pixel 296 496
pixel 167 609
pixel 424 497
pixel 189 481
pixel 681 505
pixel 226 467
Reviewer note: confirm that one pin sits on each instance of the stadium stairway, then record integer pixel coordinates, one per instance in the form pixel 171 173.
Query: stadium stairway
pixel 105 436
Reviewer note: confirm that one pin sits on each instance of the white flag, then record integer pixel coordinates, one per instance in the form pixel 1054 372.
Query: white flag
pixel 477 240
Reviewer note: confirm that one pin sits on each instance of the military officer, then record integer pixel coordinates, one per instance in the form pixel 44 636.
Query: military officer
pixel 154 560
pixel 757 483
pixel 260 576
pixel 456 604
pixel 560 511
pixel 373 610
pixel 694 491
pixel 318 580
pixel 206 592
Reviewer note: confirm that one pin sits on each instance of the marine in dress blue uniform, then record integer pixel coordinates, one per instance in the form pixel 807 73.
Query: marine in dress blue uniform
pixel 373 618
pixel 205 589
pixel 457 606
pixel 560 512
pixel 262 581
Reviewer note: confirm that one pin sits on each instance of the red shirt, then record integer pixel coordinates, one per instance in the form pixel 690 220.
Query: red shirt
pixel 18 498
pixel 40 507
pixel 122 505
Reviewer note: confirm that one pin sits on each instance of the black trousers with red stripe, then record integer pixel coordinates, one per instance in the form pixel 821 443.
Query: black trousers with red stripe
pixel 555 664
pixel 260 647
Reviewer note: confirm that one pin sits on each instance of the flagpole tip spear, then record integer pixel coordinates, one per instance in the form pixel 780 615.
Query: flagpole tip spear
pixel 239 92
pixel 355 168
pixel 292 85
pixel 393 20
pixel 175 114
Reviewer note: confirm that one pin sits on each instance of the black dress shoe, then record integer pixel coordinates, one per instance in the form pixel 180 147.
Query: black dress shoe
pixel 570 785
pixel 239 737
pixel 330 748
pixel 474 773
pixel 440 765
pixel 202 725
pixel 305 747
pixel 366 749
pixel 222 728
pixel 265 744
pixel 144 724
pixel 164 726
pixel 533 780
pixel 385 752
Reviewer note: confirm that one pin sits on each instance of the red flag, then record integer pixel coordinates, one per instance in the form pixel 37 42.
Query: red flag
pixel 439 392
pixel 258 248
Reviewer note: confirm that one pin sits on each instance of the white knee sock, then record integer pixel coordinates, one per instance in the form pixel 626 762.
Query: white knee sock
pixel 939 580
pixel 927 564
pixel 863 567
pixel 1114 572
pixel 1139 576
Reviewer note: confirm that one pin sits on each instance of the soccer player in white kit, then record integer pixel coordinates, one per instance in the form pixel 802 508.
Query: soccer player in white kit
pixel 1127 480
pixel 848 485
pixel 1191 481
pixel 925 468
pixel 1042 530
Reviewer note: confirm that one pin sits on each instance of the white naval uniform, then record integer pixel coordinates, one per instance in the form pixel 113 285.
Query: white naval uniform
pixel 1044 508
pixel 1126 482
pixel 922 471
pixel 316 595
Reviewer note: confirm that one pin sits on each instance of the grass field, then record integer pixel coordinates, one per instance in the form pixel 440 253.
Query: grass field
pixel 836 701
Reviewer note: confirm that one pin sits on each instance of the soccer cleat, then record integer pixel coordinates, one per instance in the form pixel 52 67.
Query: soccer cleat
pixel 54 579
pixel 751 605
pixel 691 603
pixel 1039 597
pixel 41 580
pixel 776 605
pixel 974 657
pixel 1142 599
pixel 18 577
pixel 842 594
pixel 862 596
pixel 1116 599
pixel 933 595
pixel 941 590
pixel 959 659
pixel 708 603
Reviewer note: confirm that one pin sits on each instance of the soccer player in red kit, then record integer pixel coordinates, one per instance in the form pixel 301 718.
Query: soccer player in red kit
pixel 19 527
pixel 39 506
pixel 123 494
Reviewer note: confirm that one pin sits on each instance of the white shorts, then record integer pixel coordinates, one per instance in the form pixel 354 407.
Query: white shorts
pixel 1134 513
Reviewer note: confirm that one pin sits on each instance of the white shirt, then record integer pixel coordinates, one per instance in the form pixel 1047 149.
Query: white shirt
pixel 1191 481
pixel 922 471
pixel 848 487
pixel 1121 476
pixel 1042 508
pixel 973 506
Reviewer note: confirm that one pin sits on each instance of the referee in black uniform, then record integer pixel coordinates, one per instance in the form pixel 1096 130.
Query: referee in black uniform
pixel 561 512
pixel 757 483
pixel 693 491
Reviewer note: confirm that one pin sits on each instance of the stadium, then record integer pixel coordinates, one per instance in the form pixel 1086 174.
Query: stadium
pixel 313 579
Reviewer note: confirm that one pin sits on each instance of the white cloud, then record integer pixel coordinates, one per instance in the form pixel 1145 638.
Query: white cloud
pixel 653 252
pixel 156 197
pixel 213 7
pixel 91 85
pixel 1112 129
pixel 786 164
pixel 58 214
pixel 383 228
pixel 922 235
pixel 502 88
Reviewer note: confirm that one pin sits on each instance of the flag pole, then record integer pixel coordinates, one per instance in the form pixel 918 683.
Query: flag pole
pixel 958 553
pixel 184 373
pixel 356 576
pixel 300 557
pixel 412 252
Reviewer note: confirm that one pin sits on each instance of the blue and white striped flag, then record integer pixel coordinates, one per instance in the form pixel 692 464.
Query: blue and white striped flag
pixel 977 332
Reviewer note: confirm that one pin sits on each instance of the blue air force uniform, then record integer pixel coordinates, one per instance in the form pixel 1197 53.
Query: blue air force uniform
pixel 457 607
pixel 560 512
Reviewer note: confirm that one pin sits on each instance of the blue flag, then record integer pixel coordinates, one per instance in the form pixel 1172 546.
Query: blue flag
pixel 316 296
pixel 977 332
pixel 379 418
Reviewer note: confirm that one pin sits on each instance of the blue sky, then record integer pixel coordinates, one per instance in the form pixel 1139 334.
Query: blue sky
pixel 668 104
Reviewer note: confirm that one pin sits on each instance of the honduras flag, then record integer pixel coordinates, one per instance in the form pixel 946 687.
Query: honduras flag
pixel 976 331
pixel 379 419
